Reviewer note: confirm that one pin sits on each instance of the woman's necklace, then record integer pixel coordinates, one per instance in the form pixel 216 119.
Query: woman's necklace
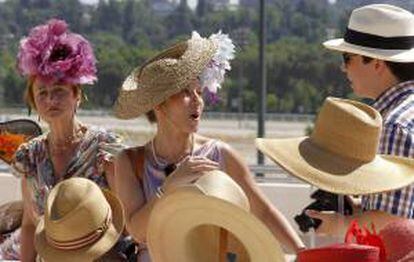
pixel 171 167
pixel 68 143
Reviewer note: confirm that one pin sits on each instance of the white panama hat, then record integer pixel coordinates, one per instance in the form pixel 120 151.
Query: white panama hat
pixel 379 31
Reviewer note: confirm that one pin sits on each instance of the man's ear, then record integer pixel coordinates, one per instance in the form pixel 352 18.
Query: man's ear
pixel 379 65
pixel 158 110
pixel 157 107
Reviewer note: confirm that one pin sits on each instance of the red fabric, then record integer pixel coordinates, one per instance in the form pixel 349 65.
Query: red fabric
pixel 363 236
pixel 360 246
pixel 340 253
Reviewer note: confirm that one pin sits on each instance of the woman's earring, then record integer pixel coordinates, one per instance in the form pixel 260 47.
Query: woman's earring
pixel 38 118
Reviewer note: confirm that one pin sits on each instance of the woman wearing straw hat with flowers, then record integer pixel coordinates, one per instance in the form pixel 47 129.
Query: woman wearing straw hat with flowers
pixel 56 63
pixel 168 89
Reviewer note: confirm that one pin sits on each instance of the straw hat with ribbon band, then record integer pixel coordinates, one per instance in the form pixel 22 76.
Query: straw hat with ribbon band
pixel 185 224
pixel 172 71
pixel 340 154
pixel 379 31
pixel 81 222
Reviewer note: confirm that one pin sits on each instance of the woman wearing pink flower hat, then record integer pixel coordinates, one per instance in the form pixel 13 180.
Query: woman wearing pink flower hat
pixel 56 63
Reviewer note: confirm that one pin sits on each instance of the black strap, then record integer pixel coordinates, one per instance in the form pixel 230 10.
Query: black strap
pixel 380 42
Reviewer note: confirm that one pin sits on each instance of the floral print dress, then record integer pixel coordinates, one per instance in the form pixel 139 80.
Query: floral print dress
pixel 32 160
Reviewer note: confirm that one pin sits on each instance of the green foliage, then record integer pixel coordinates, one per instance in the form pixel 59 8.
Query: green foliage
pixel 124 33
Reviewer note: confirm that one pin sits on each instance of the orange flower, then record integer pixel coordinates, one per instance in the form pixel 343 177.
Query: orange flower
pixel 9 143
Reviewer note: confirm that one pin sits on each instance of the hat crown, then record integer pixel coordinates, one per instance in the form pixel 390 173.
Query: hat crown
pixel 75 208
pixel 348 128
pixel 164 75
pixel 382 20
pixel 170 68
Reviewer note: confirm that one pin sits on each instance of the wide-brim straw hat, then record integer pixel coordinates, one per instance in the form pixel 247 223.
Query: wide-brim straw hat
pixel 340 154
pixel 187 224
pixel 81 222
pixel 379 31
pixel 163 76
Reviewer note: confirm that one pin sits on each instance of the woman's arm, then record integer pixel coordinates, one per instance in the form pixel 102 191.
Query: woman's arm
pixel 27 249
pixel 129 190
pixel 260 205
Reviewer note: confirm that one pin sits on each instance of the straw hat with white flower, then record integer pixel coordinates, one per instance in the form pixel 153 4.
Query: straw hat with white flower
pixel 172 70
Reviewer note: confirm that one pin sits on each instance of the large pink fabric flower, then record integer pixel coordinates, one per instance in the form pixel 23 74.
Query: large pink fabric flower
pixel 55 55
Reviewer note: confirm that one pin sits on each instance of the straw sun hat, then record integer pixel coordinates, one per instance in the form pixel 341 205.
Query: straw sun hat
pixel 340 154
pixel 185 225
pixel 163 76
pixel 379 31
pixel 81 222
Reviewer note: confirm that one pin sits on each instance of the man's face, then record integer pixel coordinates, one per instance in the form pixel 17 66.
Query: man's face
pixel 360 73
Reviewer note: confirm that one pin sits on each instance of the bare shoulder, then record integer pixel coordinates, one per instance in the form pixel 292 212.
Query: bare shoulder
pixel 123 163
pixel 200 140
pixel 130 152
pixel 231 157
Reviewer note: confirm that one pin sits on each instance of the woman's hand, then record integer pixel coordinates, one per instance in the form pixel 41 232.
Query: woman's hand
pixel 188 171
pixel 333 223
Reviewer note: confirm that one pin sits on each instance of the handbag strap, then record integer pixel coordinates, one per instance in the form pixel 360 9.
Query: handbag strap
pixel 137 158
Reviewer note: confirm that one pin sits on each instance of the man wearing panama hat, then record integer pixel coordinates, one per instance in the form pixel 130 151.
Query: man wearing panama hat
pixel 378 52
pixel 340 156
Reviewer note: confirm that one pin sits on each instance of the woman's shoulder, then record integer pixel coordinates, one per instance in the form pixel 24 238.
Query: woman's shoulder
pixel 33 145
pixel 203 141
pixel 103 135
pixel 28 153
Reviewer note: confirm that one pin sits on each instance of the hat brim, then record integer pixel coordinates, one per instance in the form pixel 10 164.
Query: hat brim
pixel 88 253
pixel 184 224
pixel 323 169
pixel 134 100
pixel 395 55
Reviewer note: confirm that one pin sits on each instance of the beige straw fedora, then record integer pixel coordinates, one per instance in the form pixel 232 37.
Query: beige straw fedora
pixel 340 154
pixel 185 225
pixel 81 222
pixel 379 31
pixel 163 76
